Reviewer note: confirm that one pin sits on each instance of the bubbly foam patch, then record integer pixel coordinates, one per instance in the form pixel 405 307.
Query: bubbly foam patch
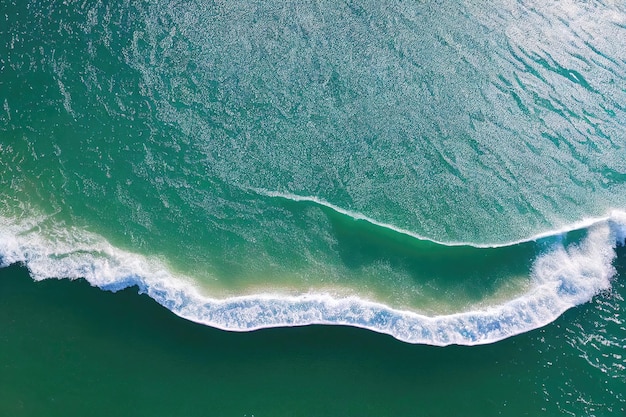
pixel 563 277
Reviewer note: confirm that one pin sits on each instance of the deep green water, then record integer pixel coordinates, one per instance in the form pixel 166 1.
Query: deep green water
pixel 69 349
pixel 445 174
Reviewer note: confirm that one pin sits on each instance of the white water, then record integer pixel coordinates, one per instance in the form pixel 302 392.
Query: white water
pixel 562 278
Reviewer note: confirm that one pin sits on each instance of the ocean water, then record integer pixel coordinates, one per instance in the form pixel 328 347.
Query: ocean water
pixel 445 174
pixel 68 349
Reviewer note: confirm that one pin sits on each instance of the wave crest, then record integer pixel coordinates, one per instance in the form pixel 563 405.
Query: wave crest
pixel 582 224
pixel 563 277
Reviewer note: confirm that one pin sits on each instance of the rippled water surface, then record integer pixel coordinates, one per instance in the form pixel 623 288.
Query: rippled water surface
pixel 443 173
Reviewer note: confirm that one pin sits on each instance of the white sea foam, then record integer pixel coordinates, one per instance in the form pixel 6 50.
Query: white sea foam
pixel 563 277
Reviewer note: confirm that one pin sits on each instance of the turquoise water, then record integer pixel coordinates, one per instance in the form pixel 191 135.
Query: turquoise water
pixel 441 173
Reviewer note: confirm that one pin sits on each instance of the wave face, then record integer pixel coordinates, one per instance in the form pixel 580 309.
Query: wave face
pixel 562 277
pixel 443 174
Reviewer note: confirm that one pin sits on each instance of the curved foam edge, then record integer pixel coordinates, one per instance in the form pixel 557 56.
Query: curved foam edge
pixel 582 224
pixel 563 277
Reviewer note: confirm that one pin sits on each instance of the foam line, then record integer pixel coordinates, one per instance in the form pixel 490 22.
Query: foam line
pixel 582 224
pixel 563 277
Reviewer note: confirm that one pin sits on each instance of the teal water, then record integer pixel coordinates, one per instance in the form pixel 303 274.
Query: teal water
pixel 69 349
pixel 441 173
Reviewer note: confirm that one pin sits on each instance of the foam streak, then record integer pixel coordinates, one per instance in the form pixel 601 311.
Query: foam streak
pixel 583 224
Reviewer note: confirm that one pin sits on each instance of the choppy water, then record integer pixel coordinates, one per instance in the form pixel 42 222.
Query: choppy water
pixel 444 173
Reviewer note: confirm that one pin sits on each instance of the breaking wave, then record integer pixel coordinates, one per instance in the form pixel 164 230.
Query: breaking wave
pixel 563 276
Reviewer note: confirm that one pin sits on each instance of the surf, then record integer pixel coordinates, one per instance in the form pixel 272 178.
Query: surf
pixel 563 275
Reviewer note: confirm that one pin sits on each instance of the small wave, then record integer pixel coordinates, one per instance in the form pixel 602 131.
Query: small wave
pixel 582 224
pixel 563 277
